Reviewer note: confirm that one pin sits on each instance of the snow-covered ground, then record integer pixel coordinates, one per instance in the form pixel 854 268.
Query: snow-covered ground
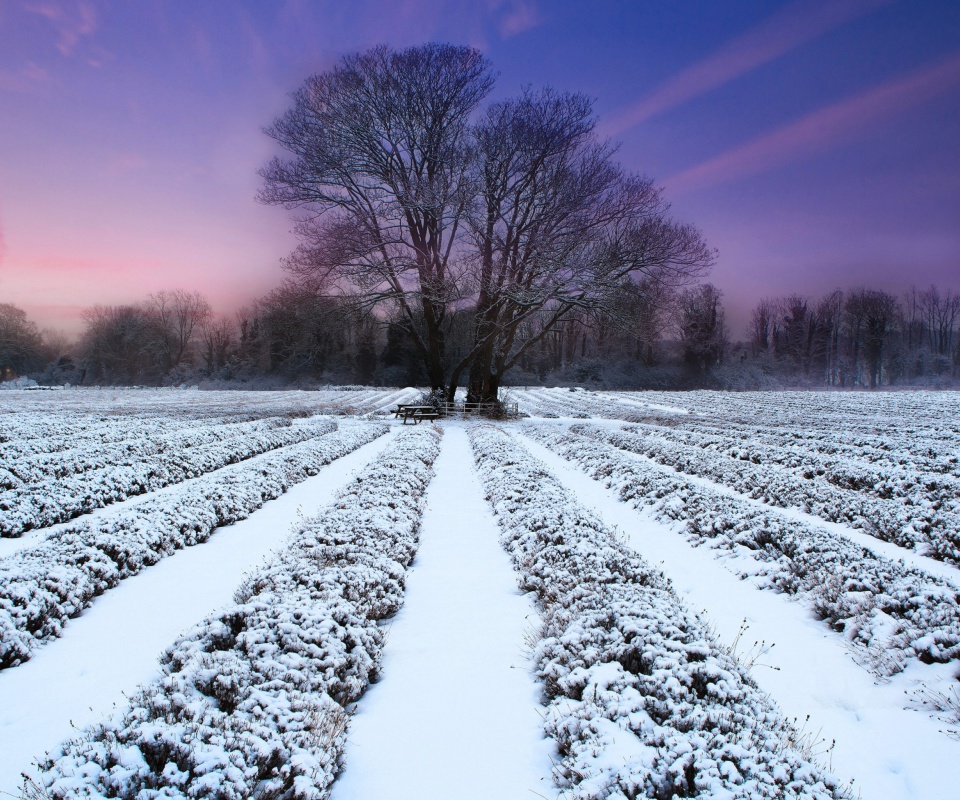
pixel 113 647
pixel 456 713
pixel 735 497
pixel 882 748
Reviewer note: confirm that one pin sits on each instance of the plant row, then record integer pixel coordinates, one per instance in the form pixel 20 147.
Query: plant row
pixel 44 586
pixel 76 431
pixel 821 458
pixel 642 701
pixel 147 439
pixel 894 613
pixel 924 452
pixel 55 500
pixel 890 520
pixel 252 701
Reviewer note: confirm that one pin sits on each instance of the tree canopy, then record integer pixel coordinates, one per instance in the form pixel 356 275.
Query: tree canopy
pixel 412 196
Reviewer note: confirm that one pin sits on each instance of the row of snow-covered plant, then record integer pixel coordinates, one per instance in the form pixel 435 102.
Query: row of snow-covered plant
pixel 49 499
pixel 891 612
pixel 914 434
pixel 43 586
pixel 125 441
pixel 906 518
pixel 642 701
pixel 32 414
pixel 885 474
pixel 251 702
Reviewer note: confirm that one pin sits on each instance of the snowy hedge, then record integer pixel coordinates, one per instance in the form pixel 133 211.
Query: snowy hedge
pixel 894 611
pixel 44 586
pixel 642 700
pixel 146 438
pixel 251 702
pixel 54 500
pixel 835 492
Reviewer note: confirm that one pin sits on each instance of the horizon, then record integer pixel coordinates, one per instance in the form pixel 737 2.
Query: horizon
pixel 816 144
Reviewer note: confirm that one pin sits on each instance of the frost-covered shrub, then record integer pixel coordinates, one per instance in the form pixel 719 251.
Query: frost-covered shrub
pixel 44 586
pixel 251 701
pixel 642 701
pixel 57 499
pixel 906 512
pixel 891 609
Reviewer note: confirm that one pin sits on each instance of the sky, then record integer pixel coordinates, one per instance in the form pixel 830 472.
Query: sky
pixel 816 143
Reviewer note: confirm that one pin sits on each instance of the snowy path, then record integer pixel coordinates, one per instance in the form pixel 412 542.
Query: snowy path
pixel 113 646
pixel 891 753
pixel 456 713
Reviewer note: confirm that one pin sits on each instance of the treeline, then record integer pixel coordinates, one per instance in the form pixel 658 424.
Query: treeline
pixel 649 336
pixel 863 337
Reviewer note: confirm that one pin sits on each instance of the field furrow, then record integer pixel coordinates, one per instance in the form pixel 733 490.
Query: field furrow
pixel 42 587
pixel 643 702
pixel 456 690
pixel 113 647
pixel 252 701
pixel 862 727
pixel 893 613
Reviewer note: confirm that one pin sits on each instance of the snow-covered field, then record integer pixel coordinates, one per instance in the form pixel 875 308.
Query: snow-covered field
pixel 622 595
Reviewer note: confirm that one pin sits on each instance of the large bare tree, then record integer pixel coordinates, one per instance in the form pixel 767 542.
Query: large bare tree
pixel 557 227
pixel 380 150
pixel 409 195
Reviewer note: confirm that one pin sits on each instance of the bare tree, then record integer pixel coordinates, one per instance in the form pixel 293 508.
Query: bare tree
pixel 217 339
pixel 761 323
pixel 703 334
pixel 557 226
pixel 380 157
pixel 522 217
pixel 179 316
pixel 21 344
pixel 119 344
pixel 871 314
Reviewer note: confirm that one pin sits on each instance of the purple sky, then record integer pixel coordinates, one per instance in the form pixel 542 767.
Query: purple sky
pixel 816 142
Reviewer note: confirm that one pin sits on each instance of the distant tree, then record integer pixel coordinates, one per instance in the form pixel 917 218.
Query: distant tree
pixel 21 345
pixel 871 314
pixel 119 345
pixel 522 218
pixel 703 334
pixel 178 317
pixel 217 342
pixel 761 323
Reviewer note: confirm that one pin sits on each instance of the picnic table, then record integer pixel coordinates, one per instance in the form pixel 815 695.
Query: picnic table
pixel 415 413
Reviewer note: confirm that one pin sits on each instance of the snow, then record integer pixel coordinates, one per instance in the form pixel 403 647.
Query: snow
pixel 887 751
pixel 113 646
pixel 456 710
pixel 457 713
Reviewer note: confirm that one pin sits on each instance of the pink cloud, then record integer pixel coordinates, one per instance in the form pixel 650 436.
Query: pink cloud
pixel 821 129
pixel 792 26
pixel 29 79
pixel 519 17
pixel 74 21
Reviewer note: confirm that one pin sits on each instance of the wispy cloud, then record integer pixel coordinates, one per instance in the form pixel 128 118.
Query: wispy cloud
pixel 518 17
pixel 124 163
pixel 29 79
pixel 822 128
pixel 794 25
pixel 73 21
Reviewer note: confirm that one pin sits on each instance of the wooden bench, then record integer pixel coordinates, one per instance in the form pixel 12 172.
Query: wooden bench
pixel 417 413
